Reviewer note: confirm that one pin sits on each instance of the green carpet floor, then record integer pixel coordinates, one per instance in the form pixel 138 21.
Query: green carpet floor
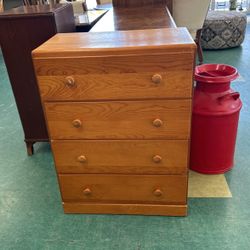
pixel 31 216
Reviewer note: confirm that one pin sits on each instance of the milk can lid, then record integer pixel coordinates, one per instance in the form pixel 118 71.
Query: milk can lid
pixel 215 73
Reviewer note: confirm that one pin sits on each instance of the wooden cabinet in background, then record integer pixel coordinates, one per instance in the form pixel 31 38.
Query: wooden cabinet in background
pixel 23 29
pixel 140 3
pixel 118 111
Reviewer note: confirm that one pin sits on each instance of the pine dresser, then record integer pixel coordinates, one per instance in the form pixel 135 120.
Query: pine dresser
pixel 118 111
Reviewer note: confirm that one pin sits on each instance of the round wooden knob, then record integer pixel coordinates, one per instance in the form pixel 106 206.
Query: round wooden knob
pixel 70 81
pixel 82 159
pixel 157 123
pixel 157 78
pixel 157 159
pixel 77 123
pixel 158 192
pixel 87 191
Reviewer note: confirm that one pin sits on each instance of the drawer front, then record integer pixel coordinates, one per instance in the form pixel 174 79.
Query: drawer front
pixel 124 188
pixel 137 63
pixel 119 120
pixel 138 156
pixel 116 77
pixel 117 86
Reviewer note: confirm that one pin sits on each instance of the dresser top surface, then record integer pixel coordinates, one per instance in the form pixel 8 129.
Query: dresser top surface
pixel 119 42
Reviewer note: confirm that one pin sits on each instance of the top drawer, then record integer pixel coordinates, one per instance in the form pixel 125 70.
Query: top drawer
pixel 116 77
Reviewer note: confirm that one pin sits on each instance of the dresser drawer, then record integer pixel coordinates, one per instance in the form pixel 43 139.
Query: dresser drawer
pixel 115 64
pixel 123 86
pixel 121 156
pixel 124 188
pixel 165 119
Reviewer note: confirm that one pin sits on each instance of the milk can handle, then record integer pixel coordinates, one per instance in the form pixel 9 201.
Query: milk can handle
pixel 234 95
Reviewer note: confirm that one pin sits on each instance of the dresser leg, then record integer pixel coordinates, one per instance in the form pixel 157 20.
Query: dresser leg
pixel 30 148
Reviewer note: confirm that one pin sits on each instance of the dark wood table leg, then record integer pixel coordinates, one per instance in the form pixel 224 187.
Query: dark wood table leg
pixel 29 147
pixel 199 48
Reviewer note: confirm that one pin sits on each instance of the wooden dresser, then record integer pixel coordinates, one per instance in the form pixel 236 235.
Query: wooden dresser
pixel 118 110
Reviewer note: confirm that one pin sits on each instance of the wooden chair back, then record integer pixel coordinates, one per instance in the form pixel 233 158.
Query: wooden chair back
pixel 1 6
pixel 35 2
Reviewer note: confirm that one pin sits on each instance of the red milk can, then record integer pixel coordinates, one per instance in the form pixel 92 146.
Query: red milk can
pixel 216 109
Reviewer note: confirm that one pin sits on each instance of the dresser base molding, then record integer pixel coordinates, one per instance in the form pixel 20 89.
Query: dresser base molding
pixel 134 209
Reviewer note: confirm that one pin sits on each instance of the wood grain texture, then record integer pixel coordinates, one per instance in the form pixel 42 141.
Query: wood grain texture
pixel 136 209
pixel 113 86
pixel 127 157
pixel 140 3
pixel 135 18
pixel 119 119
pixel 124 188
pixel 158 41
pixel 105 65
pixel 118 108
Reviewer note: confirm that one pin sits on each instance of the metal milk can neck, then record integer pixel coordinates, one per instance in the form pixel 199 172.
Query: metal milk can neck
pixel 212 87
pixel 214 78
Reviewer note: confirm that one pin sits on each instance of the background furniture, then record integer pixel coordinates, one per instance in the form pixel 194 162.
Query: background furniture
pixel 1 5
pixel 134 18
pixel 103 1
pixel 118 109
pixel 21 30
pixel 9 4
pixel 88 19
pixel 78 6
pixel 191 14
pixel 141 3
pixel 35 2
pixel 223 29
